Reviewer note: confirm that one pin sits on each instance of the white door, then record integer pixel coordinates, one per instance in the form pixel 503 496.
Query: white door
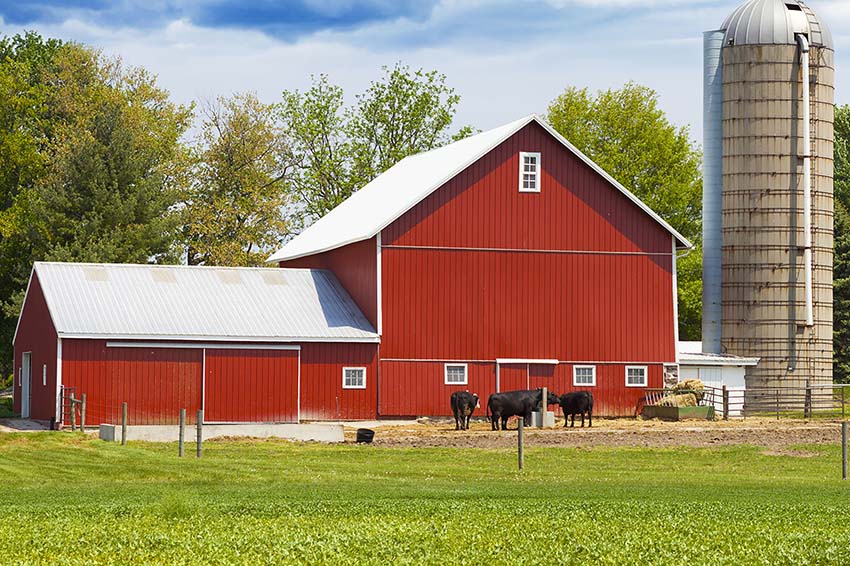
pixel 26 381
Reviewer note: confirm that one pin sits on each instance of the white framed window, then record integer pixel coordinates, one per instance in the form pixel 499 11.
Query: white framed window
pixel 529 172
pixel 354 378
pixel 584 376
pixel 455 374
pixel 636 376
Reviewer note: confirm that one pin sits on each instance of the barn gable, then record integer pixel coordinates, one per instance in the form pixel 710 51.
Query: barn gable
pixel 403 186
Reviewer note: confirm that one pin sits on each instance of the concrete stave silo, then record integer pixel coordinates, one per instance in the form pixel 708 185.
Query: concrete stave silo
pixel 774 302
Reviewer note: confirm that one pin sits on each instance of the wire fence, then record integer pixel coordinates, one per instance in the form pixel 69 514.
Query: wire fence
pixel 779 402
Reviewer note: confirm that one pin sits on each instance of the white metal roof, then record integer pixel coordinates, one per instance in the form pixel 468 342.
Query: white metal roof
pixel 766 22
pixel 375 206
pixel 691 354
pixel 200 303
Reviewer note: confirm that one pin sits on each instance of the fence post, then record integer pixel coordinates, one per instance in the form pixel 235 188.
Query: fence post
pixel 200 418
pixel 123 423
pixel 844 450
pixel 520 440
pixel 83 413
pixel 725 404
pixel 544 408
pixel 842 401
pixel 807 401
pixel 777 403
pixel 73 414
pixel 182 432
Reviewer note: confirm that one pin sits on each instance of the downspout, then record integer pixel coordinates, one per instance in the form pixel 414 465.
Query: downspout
pixel 807 175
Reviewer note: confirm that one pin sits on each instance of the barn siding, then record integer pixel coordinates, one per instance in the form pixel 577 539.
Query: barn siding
pixel 479 271
pixel 355 265
pixel 154 382
pixel 36 334
pixel 417 387
pixel 322 395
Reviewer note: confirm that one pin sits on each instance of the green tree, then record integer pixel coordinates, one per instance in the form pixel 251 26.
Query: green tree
pixel 339 149
pixel 86 155
pixel 628 135
pixel 841 274
pixel 235 206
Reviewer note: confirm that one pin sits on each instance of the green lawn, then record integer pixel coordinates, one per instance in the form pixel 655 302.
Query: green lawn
pixel 66 500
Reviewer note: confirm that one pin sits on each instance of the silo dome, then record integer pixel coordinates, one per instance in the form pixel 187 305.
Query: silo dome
pixel 775 22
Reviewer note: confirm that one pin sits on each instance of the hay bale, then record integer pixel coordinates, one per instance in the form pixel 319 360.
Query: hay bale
pixel 694 386
pixel 678 400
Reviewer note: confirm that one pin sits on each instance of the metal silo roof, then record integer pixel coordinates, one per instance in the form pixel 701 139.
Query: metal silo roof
pixel 766 22
pixel 200 303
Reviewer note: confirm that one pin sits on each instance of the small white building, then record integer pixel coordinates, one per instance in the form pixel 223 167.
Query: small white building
pixel 716 370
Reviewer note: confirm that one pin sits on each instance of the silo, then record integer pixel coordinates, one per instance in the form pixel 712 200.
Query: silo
pixel 773 168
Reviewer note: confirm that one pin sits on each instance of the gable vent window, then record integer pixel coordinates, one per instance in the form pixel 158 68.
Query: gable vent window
pixel 529 172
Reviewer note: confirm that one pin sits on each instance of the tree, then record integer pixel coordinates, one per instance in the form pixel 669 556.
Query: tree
pixel 338 149
pixel 841 274
pixel 86 155
pixel 235 206
pixel 627 134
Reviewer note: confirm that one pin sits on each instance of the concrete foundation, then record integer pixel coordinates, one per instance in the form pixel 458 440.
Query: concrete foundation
pixel 170 433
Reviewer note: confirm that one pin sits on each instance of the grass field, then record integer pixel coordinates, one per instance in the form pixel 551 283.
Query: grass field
pixel 69 500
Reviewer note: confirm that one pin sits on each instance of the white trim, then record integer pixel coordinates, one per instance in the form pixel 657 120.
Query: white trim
pixel 446 374
pixel 645 376
pixel 738 362
pixel 298 399
pixel 380 313
pixel 568 362
pixel 536 156
pixel 518 125
pixel 593 375
pixel 201 345
pixel 225 339
pixel 526 361
pixel 58 380
pixel 675 300
pixel 345 369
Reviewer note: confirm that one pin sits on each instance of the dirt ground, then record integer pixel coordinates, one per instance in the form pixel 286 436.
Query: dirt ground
pixel 772 434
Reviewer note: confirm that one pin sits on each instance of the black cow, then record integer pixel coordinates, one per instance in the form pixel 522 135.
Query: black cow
pixel 516 403
pixel 577 402
pixel 463 403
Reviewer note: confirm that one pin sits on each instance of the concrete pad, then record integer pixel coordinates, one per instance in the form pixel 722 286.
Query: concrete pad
pixel 171 433
pixel 22 425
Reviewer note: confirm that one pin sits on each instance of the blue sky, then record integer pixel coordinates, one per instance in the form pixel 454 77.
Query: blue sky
pixel 505 59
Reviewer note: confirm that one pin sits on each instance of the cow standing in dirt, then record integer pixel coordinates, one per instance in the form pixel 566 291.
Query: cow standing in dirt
pixel 502 406
pixel 575 403
pixel 463 404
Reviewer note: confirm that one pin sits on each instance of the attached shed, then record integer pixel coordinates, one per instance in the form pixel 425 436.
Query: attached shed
pixel 243 344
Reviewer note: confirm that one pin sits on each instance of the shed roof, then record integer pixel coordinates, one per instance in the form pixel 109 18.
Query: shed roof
pixel 88 300
pixel 691 354
pixel 401 187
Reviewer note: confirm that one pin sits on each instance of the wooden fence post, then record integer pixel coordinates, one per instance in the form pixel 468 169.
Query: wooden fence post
pixel 182 436
pixel 83 413
pixel 520 441
pixel 844 450
pixel 725 404
pixel 123 423
pixel 843 389
pixel 777 403
pixel 73 414
pixel 200 439
pixel 807 401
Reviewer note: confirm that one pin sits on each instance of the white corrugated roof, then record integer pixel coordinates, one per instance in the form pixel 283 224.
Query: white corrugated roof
pixel 691 354
pixel 371 209
pixel 766 22
pixel 200 303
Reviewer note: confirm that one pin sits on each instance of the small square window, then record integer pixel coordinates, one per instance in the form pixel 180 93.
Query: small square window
pixel 584 375
pixel 529 172
pixel 455 374
pixel 354 378
pixel 636 376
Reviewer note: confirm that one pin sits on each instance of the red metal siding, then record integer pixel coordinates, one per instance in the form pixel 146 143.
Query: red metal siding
pixel 251 386
pixel 417 388
pixel 355 265
pixel 154 382
pixel 322 395
pixel 577 209
pixel 444 304
pixel 37 335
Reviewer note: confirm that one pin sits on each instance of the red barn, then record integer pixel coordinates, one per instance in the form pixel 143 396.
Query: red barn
pixel 507 260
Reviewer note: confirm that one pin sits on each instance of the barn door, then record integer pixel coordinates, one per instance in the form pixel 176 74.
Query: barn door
pixel 26 384
pixel 251 386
